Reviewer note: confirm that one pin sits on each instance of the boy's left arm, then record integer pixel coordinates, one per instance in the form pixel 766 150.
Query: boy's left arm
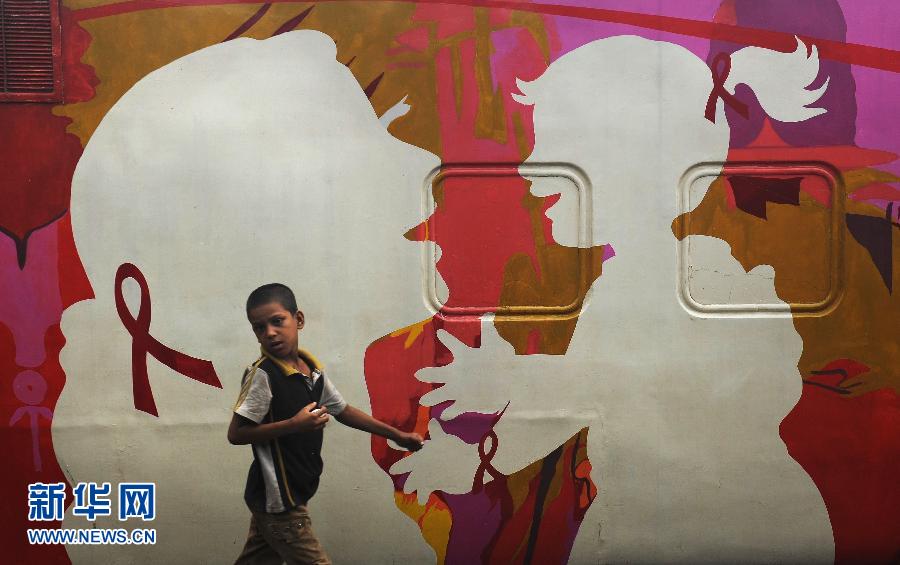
pixel 356 418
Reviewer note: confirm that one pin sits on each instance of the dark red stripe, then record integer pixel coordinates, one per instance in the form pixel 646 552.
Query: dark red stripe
pixel 293 22
pixel 370 89
pixel 852 53
pixel 249 23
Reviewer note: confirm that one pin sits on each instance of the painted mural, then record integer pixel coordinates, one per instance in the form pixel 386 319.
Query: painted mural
pixel 628 266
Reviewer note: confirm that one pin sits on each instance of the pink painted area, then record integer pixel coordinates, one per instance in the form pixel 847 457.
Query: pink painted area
pixel 876 192
pixel 878 111
pixel 481 221
pixel 608 252
pixel 511 48
pixel 33 301
pixel 574 32
pixel 415 39
pixel 451 19
pixel 818 189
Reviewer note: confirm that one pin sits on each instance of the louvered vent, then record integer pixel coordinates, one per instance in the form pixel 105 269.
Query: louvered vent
pixel 29 50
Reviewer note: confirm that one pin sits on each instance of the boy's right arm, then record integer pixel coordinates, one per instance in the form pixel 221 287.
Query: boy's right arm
pixel 242 431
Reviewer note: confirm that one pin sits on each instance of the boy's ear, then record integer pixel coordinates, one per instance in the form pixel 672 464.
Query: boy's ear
pixel 300 319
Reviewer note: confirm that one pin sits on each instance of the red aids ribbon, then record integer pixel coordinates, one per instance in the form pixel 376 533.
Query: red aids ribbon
pixel 144 343
pixel 486 455
pixel 485 465
pixel 718 89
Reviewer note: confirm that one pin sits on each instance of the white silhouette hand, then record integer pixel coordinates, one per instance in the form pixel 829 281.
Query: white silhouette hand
pixel 445 463
pixel 482 380
pixel 545 399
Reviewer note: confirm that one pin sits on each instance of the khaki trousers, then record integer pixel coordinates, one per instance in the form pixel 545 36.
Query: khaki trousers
pixel 286 537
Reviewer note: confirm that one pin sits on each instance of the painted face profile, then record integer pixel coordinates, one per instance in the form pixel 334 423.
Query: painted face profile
pixel 241 164
pixel 683 406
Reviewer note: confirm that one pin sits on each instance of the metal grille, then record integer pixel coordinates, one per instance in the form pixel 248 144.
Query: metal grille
pixel 29 49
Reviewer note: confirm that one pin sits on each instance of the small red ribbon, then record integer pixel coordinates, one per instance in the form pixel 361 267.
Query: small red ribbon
pixel 487 455
pixel 144 343
pixel 719 91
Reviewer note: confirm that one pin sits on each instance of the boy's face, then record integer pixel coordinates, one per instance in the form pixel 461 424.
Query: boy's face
pixel 276 328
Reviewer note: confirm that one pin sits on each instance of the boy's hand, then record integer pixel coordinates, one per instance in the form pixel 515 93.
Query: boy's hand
pixel 309 419
pixel 412 442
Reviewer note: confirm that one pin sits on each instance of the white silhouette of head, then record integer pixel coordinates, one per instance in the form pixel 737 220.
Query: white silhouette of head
pixel 638 124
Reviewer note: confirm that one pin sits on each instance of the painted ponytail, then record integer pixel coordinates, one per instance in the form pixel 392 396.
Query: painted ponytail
pixel 779 80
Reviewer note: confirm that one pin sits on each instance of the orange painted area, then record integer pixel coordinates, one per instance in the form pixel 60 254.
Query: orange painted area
pixel 434 521
pixel 412 333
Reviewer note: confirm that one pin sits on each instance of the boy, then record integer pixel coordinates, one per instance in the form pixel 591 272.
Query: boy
pixel 284 404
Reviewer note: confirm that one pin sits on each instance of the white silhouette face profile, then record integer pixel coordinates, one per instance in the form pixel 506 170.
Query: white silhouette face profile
pixel 631 113
pixel 245 163
pixel 631 130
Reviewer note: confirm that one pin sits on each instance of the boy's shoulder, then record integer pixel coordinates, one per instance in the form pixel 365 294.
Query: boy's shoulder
pixel 255 368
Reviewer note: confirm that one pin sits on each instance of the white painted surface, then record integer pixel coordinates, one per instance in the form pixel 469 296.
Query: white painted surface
pixel 245 163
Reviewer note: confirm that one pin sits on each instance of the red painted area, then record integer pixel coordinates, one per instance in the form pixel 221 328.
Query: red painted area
pixel 851 449
pixel 144 344
pixel 876 192
pixel 79 79
pixel 38 159
pixel 37 153
pixel 74 286
pixel 19 469
pixel 394 392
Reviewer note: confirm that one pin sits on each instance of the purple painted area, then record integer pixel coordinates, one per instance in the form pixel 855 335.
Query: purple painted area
pixel 476 520
pixel 504 43
pixel 878 105
pixel 608 252
pixel 399 481
pixel 574 32
pixel 468 426
pixel 36 303
pixel 817 18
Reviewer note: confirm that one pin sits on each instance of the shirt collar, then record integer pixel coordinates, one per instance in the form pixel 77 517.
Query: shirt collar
pixel 308 357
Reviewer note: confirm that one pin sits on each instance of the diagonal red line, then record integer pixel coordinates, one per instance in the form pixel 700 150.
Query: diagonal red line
pixel 293 22
pixel 249 23
pixel 852 53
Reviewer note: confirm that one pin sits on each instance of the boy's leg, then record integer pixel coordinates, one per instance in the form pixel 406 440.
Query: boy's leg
pixel 290 534
pixel 257 550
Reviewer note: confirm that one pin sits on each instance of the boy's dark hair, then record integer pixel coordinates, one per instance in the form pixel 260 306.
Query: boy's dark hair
pixel 273 292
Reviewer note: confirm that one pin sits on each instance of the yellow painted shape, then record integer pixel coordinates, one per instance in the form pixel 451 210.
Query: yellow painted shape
pixel 412 332
pixel 434 520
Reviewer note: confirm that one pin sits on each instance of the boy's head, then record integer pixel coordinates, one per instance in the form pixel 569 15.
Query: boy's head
pixel 275 319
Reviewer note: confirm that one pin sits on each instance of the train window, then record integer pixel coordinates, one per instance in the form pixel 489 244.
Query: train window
pixel 748 207
pixel 563 184
pixel 30 65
